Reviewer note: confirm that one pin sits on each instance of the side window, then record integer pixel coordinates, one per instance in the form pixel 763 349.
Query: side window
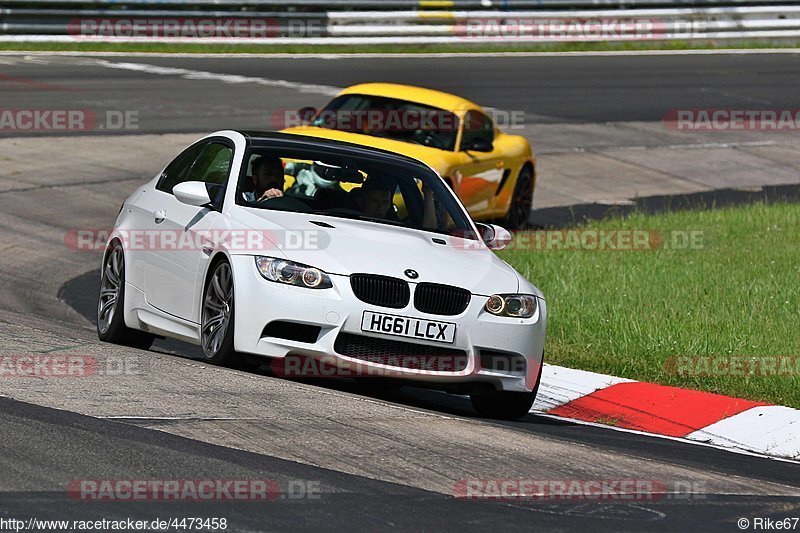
pixel 476 126
pixel 209 162
pixel 177 171
pixel 213 164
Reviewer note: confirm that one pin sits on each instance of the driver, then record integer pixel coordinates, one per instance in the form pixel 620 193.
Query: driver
pixel 375 196
pixel 268 179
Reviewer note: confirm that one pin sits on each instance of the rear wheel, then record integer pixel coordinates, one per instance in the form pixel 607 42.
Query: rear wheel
pixel 216 326
pixel 111 303
pixel 521 201
pixel 505 405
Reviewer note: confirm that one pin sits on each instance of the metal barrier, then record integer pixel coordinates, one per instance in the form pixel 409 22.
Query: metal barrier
pixel 395 5
pixel 300 21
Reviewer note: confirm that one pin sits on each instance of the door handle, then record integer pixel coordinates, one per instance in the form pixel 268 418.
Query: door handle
pixel 160 215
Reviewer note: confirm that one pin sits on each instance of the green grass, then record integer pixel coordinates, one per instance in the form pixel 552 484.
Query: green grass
pixel 346 49
pixel 627 313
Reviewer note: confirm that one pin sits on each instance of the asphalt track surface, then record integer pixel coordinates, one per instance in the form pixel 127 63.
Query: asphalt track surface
pixel 547 89
pixel 383 458
pixel 559 89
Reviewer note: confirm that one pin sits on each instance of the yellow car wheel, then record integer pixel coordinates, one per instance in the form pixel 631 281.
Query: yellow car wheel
pixel 521 201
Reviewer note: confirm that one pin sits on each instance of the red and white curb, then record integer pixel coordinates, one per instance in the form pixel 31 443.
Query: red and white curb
pixel 723 421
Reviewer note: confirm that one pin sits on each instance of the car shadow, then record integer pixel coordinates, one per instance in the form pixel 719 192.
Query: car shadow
pixel 80 294
pixel 573 215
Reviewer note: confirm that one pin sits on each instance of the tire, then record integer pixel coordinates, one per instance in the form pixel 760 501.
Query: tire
pixel 217 318
pixel 505 405
pixel 521 201
pixel 111 302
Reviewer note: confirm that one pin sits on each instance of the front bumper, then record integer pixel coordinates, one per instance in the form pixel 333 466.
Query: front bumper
pixel 259 302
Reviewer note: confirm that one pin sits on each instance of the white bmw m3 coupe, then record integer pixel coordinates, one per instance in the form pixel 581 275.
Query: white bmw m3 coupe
pixel 295 248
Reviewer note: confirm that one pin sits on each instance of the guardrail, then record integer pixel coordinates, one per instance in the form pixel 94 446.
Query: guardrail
pixel 109 20
pixel 395 5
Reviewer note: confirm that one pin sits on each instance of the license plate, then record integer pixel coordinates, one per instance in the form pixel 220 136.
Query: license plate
pixel 415 328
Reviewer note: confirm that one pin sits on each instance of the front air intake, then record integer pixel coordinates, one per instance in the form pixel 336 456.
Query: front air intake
pixel 401 354
pixel 292 331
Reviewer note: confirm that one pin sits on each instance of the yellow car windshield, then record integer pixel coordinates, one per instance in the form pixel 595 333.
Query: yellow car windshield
pixel 391 118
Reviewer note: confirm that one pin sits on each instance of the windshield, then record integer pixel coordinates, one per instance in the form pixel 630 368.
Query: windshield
pixel 392 119
pixel 358 188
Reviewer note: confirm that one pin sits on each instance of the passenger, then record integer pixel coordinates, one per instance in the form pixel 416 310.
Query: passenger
pixel 310 179
pixel 375 196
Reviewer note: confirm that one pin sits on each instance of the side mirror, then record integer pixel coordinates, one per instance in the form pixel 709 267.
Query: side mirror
pixel 192 193
pixel 495 237
pixel 479 145
pixel 306 114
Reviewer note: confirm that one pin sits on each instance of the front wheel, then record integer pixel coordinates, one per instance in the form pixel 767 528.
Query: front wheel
pixel 111 303
pixel 505 405
pixel 216 326
pixel 521 201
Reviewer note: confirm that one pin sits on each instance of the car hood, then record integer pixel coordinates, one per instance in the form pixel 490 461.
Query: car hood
pixel 354 246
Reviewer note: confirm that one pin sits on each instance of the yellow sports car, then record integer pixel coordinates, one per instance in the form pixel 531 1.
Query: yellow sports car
pixel 493 173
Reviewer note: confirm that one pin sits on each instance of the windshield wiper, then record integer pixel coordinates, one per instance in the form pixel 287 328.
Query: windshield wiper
pixel 340 214
pixel 358 216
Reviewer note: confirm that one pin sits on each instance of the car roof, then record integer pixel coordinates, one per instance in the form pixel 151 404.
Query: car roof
pixel 418 95
pixel 274 139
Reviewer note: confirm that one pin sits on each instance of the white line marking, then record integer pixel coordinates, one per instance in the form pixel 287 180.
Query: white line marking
pixel 308 88
pixel 770 429
pixel 562 385
pixel 437 55
pixel 667 437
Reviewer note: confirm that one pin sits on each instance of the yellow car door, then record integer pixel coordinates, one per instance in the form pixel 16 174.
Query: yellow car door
pixel 480 166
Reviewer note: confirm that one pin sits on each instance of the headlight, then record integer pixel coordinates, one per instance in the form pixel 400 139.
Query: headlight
pixel 513 305
pixel 291 273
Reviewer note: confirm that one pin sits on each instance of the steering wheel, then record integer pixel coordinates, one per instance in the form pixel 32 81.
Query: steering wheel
pixel 287 202
pixel 429 139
